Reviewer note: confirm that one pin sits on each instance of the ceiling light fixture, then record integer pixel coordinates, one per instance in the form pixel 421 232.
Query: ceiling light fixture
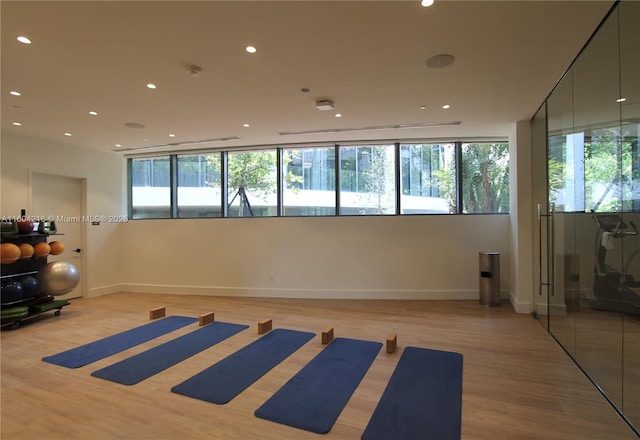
pixel 17 124
pixel 24 39
pixel 426 3
pixel 324 105
pixel 423 107
pixel 118 145
pixel 446 106
pixel 441 60
pixel 67 134
pixel 92 113
pixel 621 100
pixel 151 86
pixel 251 49
pixel 15 93
pixel 338 115
pixel 171 135
pixel 246 125
pixel 133 125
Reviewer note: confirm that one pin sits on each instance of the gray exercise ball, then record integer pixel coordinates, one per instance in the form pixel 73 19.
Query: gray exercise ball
pixel 58 277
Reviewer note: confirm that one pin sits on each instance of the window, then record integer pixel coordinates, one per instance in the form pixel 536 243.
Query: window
pixel 428 179
pixel 371 179
pixel 485 178
pixel 199 185
pixel 367 180
pixel 309 182
pixel 252 183
pixel 150 188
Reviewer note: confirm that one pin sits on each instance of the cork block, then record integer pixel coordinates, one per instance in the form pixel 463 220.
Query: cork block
pixel 206 318
pixel 265 326
pixel 327 335
pixel 158 312
pixel 392 343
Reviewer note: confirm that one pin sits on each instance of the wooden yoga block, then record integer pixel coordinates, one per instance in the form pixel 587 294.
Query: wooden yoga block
pixel 327 335
pixel 158 312
pixel 265 326
pixel 392 343
pixel 206 318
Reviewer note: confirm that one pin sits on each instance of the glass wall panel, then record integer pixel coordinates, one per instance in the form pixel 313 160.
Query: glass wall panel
pixel 485 178
pixel 593 171
pixel 428 179
pixel 252 183
pixel 309 182
pixel 629 37
pixel 597 143
pixel 564 200
pixel 198 185
pixel 367 180
pixel 151 187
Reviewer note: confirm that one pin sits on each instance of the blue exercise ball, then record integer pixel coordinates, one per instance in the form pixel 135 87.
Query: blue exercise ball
pixel 30 286
pixel 11 291
pixel 58 278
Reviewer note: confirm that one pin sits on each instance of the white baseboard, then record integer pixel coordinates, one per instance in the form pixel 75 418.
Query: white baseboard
pixel 302 293
pixel 104 290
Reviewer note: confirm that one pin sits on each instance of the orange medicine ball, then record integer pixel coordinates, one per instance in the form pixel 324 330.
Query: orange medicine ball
pixel 57 247
pixel 41 249
pixel 9 253
pixel 26 250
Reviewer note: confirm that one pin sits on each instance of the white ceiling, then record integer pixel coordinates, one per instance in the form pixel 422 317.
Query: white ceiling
pixel 369 58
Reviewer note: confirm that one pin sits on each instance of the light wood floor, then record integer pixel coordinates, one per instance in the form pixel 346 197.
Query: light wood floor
pixel 518 383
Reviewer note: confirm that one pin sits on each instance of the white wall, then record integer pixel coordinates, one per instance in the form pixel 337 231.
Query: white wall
pixel 430 257
pixel 105 182
pixel 425 257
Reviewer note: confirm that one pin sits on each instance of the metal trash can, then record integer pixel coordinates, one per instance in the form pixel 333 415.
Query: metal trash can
pixel 489 278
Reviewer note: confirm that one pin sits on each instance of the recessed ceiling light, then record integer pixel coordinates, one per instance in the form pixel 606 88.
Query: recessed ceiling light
pixel 621 99
pixel 251 49
pixel 67 134
pixel 442 60
pixel 24 39
pixel 133 125
pixel 15 93
pixel 426 3
pixel 118 145
pixel 171 135
pixel 151 86
pixel 338 115
pixel 423 107
pixel 246 125
pixel 17 124
pixel 92 113
pixel 446 106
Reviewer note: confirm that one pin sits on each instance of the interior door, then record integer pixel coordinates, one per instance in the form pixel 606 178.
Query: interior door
pixel 61 198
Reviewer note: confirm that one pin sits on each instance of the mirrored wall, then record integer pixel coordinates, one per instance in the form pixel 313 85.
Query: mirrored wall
pixel 589 218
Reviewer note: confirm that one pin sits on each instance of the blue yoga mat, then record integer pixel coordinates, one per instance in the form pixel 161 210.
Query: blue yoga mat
pixel 144 365
pixel 423 399
pixel 226 379
pixel 314 398
pixel 102 348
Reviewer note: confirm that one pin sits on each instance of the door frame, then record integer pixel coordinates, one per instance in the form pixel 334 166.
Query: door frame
pixel 83 212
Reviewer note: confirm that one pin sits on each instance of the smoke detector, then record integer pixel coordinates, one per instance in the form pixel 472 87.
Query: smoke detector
pixel 324 105
pixel 194 71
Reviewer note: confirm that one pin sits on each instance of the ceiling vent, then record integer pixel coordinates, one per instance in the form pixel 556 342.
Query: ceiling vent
pixel 324 105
